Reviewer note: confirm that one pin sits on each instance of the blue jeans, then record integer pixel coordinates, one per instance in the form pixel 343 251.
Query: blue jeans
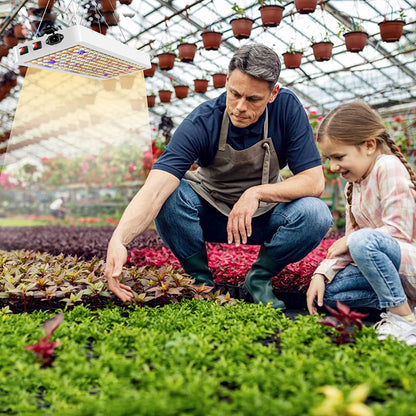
pixel 374 280
pixel 289 231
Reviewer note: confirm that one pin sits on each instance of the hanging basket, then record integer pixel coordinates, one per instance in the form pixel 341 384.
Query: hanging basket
pixel 10 41
pixel 186 52
pixel 219 80
pixel 4 50
pixel 200 85
pixel 166 60
pixel 22 70
pixel 306 6
pixel 242 27
pixel 322 51
pixel 99 28
pixel 181 91
pixel 292 60
pixel 151 100
pixel 391 30
pixel 18 31
pixel 165 96
pixel 355 41
pixel 271 16
pixel 148 73
pixel 211 40
pixel 108 5
pixel 111 18
pixel 46 4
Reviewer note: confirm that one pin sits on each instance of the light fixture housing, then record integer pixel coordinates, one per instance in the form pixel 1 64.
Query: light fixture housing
pixel 79 50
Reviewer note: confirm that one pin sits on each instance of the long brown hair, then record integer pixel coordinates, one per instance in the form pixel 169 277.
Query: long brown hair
pixel 353 124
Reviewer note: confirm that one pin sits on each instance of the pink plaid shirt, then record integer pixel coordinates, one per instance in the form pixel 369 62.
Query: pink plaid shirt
pixel 385 201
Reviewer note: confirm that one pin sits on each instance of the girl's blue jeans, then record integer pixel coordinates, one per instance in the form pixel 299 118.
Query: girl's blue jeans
pixel 374 280
pixel 289 231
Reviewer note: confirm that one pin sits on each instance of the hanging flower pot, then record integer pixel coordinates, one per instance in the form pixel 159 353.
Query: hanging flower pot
pixel 219 80
pixel 108 5
pixel 148 73
pixel 4 50
pixel 125 1
pixel 391 30
pixel 242 27
pixel 10 40
pixel 46 4
pixel 186 52
pixel 99 27
pixel 306 6
pixel 200 85
pixel 322 51
pixel 111 18
pixel 355 41
pixel 181 91
pixel 22 70
pixel 292 60
pixel 166 60
pixel 151 100
pixel 19 31
pixel 211 40
pixel 271 16
pixel 165 96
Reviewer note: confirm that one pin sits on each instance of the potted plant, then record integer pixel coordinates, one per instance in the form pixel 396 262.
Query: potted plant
pixel 46 4
pixel 292 57
pixel 9 39
pixel 111 18
pixel 166 59
pixel 322 50
pixel 165 96
pixel 186 51
pixel 18 31
pixel 391 30
pixel 201 85
pixel 305 6
pixel 108 5
pixel 219 79
pixel 148 73
pixel 271 14
pixel 241 24
pixel 99 26
pixel 355 39
pixel 181 91
pixel 4 50
pixel 151 99
pixel 211 39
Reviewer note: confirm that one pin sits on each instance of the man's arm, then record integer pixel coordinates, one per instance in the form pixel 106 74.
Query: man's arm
pixel 137 217
pixel 310 182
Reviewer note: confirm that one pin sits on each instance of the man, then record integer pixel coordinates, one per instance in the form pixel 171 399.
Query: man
pixel 240 140
pixel 57 209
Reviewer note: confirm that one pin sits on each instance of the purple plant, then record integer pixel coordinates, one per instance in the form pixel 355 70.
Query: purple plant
pixel 45 348
pixel 343 321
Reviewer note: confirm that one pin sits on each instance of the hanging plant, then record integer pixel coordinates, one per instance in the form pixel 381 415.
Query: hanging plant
pixel 211 40
pixel 165 96
pixel 306 6
pixel 108 5
pixel 292 57
pixel 151 100
pixel 18 31
pixel 148 73
pixel 219 80
pixel 46 4
pixel 271 15
pixel 200 85
pixel 355 39
pixel 186 51
pixel 9 39
pixel 111 18
pixel 22 70
pixel 241 24
pixel 166 60
pixel 99 26
pixel 181 91
pixel 322 50
pixel 391 30
pixel 4 50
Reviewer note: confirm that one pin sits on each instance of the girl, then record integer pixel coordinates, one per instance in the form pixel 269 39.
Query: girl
pixel 374 264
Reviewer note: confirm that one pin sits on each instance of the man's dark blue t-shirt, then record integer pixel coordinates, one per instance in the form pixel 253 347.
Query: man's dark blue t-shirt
pixel 196 139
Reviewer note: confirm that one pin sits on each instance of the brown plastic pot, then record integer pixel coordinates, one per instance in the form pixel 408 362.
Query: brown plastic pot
pixel 148 73
pixel 355 41
pixel 46 4
pixel 165 96
pixel 100 28
pixel 242 27
pixel 151 100
pixel 186 52
pixel 391 30
pixel 181 91
pixel 292 60
pixel 306 6
pixel 166 60
pixel 322 51
pixel 211 40
pixel 108 5
pixel 271 16
pixel 219 80
pixel 200 85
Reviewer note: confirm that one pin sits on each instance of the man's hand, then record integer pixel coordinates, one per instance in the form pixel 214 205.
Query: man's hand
pixel 316 291
pixel 116 257
pixel 239 220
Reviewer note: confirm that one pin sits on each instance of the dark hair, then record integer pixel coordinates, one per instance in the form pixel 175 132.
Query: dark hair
pixel 353 124
pixel 258 61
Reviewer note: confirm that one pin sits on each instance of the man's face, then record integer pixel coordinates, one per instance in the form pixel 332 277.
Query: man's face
pixel 247 98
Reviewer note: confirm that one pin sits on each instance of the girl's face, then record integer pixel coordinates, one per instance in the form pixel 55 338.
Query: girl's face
pixel 352 162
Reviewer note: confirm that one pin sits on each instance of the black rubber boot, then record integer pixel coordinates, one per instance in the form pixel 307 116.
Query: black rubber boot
pixel 197 267
pixel 258 281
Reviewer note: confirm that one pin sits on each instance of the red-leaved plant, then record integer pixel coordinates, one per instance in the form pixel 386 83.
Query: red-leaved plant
pixel 343 321
pixel 45 348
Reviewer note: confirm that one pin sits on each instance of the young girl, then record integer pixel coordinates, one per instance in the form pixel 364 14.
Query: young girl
pixel 374 264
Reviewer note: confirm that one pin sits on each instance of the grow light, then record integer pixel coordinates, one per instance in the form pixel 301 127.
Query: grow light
pixel 78 50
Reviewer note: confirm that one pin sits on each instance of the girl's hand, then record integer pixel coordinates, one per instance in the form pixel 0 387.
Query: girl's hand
pixel 316 291
pixel 338 248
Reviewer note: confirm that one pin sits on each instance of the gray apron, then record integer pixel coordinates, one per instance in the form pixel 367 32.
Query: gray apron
pixel 233 171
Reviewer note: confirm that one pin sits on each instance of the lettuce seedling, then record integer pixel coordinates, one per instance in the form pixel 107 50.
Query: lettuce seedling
pixel 45 348
pixel 343 322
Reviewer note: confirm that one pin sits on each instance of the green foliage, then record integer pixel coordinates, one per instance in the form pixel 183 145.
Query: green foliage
pixel 198 358
pixel 240 12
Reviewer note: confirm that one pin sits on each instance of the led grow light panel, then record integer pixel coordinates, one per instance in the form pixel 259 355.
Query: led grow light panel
pixel 81 51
